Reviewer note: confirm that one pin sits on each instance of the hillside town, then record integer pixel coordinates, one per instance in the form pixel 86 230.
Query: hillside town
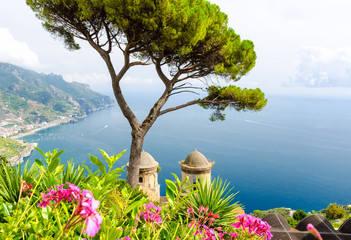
pixel 15 128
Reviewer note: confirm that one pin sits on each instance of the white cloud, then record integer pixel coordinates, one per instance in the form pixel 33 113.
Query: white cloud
pixel 101 82
pixel 16 52
pixel 321 67
pixel 128 80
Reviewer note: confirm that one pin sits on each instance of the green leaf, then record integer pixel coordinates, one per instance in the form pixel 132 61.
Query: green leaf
pixel 172 186
pixel 6 210
pixel 109 179
pixel 45 213
pixel 115 207
pixel 107 158
pixel 40 151
pixel 98 163
pixel 117 170
pixel 118 156
pixel 53 165
pixel 134 205
pixel 170 196
pixel 57 155
pixel 59 169
pixel 39 163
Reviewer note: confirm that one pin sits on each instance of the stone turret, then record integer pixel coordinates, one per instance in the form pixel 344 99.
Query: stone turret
pixel 195 166
pixel 148 176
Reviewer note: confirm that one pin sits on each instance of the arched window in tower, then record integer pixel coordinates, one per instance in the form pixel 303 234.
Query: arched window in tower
pixel 141 179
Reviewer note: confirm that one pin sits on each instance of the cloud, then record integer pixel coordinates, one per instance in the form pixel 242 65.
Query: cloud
pixel 321 67
pixel 101 82
pixel 128 80
pixel 16 52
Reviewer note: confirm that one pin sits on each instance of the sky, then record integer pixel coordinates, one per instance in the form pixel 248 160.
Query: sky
pixel 303 48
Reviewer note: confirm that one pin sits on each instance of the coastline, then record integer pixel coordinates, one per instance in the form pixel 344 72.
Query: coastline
pixel 14 161
pixel 54 123
pixel 30 146
pixel 48 125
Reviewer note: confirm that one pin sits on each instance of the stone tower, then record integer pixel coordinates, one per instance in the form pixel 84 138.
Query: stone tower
pixel 148 176
pixel 195 166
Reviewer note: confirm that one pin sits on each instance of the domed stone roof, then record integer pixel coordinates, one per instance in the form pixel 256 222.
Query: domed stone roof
pixel 197 160
pixel 147 161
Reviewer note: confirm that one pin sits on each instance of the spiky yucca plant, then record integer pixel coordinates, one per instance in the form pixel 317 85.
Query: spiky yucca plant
pixel 218 198
pixel 10 179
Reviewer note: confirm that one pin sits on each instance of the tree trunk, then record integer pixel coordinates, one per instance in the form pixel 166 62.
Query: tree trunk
pixel 134 159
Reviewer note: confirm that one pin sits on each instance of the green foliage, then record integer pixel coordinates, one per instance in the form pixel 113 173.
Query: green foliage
pixel 178 194
pixel 101 181
pixel 299 215
pixel 219 98
pixel 292 222
pixel 120 205
pixel 10 178
pixel 10 148
pixel 191 37
pixel 217 197
pixel 334 211
pixel 285 212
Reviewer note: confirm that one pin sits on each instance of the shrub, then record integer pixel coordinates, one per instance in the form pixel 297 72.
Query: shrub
pixel 285 212
pixel 292 222
pixel 299 215
pixel 334 211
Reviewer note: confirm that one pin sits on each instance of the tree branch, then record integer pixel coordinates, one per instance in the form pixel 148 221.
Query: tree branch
pixel 139 63
pixel 199 101
pixel 162 76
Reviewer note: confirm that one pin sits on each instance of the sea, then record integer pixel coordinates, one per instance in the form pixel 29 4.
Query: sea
pixel 296 153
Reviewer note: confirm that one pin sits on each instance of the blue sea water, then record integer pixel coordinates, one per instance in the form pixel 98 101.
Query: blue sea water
pixel 295 153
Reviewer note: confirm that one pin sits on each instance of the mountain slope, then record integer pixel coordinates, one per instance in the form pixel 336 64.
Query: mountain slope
pixel 32 97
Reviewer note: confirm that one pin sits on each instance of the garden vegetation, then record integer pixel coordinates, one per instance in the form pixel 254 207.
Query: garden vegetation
pixel 50 200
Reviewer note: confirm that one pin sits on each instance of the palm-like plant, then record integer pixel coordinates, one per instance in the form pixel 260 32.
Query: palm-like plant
pixel 218 198
pixel 73 174
pixel 10 180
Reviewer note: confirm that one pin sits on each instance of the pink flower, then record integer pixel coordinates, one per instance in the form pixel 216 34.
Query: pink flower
pixel 201 209
pixel 85 210
pixel 152 213
pixel 190 210
pixel 75 191
pixel 314 231
pixel 88 211
pixel 93 222
pixel 26 186
pixel 253 226
pixel 233 235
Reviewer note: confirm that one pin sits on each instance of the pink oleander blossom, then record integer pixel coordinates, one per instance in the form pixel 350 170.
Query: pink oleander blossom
pixel 190 210
pixel 253 226
pixel 151 213
pixel 26 187
pixel 125 238
pixel 84 211
pixel 202 226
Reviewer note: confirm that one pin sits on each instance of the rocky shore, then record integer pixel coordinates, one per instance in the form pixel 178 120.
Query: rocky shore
pixel 25 153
